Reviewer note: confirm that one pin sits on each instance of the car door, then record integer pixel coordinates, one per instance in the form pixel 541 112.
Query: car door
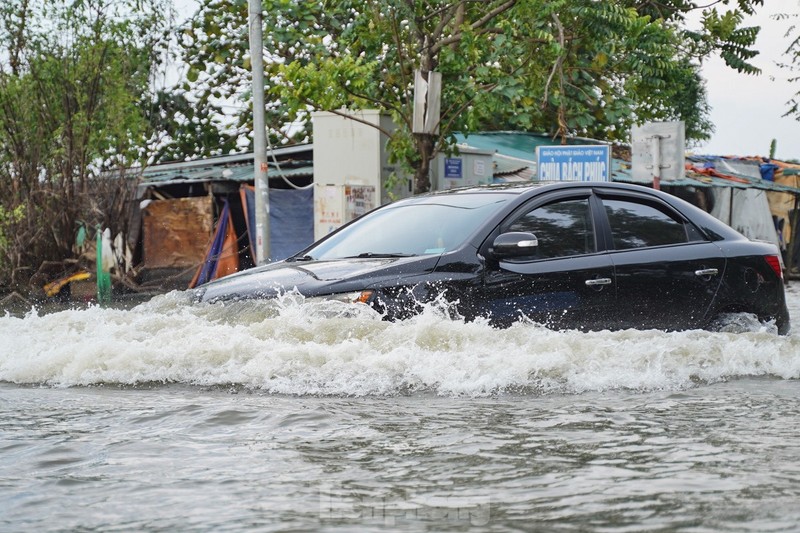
pixel 667 273
pixel 567 280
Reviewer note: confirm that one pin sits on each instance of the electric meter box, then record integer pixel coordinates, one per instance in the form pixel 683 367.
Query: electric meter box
pixel 466 168
pixel 351 167
pixel 352 173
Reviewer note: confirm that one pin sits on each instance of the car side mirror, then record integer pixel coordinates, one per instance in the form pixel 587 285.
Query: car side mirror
pixel 514 244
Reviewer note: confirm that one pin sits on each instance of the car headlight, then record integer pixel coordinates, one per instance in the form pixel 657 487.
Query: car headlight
pixel 356 297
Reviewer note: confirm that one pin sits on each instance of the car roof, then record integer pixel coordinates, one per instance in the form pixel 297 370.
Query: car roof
pixel 709 224
pixel 523 187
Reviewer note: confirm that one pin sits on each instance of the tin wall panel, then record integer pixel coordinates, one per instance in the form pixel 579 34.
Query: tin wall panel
pixel 177 232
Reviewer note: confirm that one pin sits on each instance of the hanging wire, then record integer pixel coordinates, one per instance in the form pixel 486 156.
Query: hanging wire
pixel 280 172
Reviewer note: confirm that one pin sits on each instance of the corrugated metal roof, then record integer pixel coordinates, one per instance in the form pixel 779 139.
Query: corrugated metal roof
pixel 241 173
pixel 514 158
pixel 742 173
pixel 516 151
pixel 509 165
pixel 238 167
pixel 515 144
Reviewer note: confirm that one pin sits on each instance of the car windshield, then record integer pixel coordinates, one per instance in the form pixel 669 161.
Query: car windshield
pixel 422 226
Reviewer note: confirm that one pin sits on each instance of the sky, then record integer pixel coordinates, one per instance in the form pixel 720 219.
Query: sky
pixel 747 110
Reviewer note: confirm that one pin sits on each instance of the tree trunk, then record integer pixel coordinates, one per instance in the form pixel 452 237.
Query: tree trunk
pixel 422 171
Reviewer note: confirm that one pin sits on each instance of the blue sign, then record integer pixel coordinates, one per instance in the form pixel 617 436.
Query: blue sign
pixel 574 163
pixel 452 167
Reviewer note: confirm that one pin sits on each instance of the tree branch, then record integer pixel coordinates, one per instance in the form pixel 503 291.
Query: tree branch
pixel 478 24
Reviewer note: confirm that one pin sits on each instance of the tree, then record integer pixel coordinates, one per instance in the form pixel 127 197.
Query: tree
pixel 182 128
pixel 71 97
pixel 793 63
pixel 719 32
pixel 567 67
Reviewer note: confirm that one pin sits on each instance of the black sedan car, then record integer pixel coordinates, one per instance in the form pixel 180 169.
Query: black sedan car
pixel 568 255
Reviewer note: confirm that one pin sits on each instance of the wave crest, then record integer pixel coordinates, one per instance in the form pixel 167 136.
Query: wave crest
pixel 293 346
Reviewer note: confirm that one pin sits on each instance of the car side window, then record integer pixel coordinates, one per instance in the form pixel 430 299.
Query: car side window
pixel 638 225
pixel 563 228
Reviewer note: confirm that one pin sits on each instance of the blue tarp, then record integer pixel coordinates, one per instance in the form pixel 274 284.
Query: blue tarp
pixel 291 220
pixel 209 269
pixel 768 171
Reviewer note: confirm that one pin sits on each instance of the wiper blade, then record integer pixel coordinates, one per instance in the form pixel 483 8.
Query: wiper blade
pixel 366 255
pixel 302 258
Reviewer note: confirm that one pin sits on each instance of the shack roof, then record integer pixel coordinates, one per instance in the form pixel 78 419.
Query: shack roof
pixel 515 156
pixel 514 159
pixel 289 162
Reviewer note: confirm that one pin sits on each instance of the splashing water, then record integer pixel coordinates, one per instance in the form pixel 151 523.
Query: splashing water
pixel 291 346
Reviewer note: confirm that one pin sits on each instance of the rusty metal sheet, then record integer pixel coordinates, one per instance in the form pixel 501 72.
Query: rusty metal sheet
pixel 177 232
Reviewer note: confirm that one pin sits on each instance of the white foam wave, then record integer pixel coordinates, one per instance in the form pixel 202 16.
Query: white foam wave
pixel 294 347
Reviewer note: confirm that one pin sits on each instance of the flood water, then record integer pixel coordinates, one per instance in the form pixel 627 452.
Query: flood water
pixel 291 416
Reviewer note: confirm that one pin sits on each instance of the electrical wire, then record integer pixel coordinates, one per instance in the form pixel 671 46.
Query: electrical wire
pixel 280 172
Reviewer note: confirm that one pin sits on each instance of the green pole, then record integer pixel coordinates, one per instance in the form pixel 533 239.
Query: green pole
pixel 103 276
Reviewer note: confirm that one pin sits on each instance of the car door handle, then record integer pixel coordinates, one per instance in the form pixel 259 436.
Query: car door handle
pixel 706 272
pixel 598 281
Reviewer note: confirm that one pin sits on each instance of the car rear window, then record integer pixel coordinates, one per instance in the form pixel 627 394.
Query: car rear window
pixel 638 225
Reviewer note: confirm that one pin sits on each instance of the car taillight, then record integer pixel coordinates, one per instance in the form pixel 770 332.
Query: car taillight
pixel 774 261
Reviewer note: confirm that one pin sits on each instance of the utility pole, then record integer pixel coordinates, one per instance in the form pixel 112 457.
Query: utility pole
pixel 259 134
pixel 655 150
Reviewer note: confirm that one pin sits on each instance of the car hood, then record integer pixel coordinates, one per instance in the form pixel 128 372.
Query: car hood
pixel 310 278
